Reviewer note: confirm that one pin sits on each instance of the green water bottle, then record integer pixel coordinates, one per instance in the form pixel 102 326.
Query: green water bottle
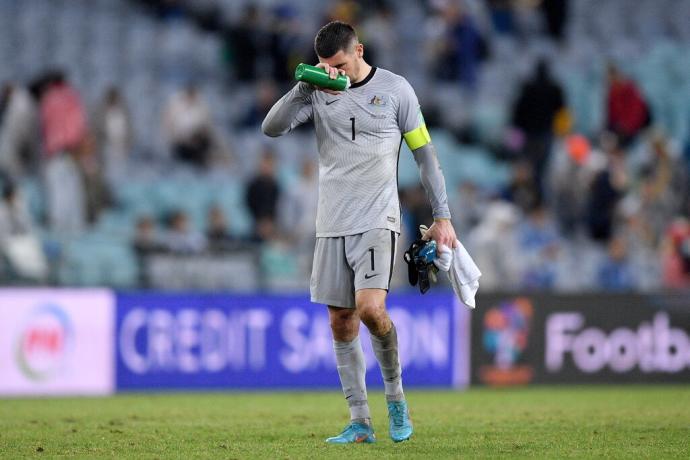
pixel 318 77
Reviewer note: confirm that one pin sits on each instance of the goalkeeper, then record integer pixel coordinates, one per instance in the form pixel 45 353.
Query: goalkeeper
pixel 359 133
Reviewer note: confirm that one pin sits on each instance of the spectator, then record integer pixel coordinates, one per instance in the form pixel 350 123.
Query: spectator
pixel 180 238
pixel 298 207
pixel 676 254
pixel 65 194
pixel 535 109
pixel 642 251
pixel 114 134
pixel 278 262
pixel 464 47
pixel 501 13
pixel 298 215
pixel 662 185
pixel 266 96
pixel 683 168
pixel 415 209
pixel 208 15
pixel 615 273
pixel 146 242
pixel 570 173
pixel 265 231
pixel 379 36
pixel 245 43
pixel 96 190
pixel 14 215
pixel 627 112
pixel 467 208
pixel 189 127
pixel 606 190
pixel 343 10
pixel 556 16
pixel 494 246
pixel 19 245
pixel 523 190
pixel 263 191
pixel 166 9
pixel 285 46
pixel 146 238
pixel 18 132
pixel 539 246
pixel 217 232
pixel 63 117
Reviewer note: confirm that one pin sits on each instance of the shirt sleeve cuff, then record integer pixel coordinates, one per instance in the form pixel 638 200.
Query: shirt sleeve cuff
pixel 441 214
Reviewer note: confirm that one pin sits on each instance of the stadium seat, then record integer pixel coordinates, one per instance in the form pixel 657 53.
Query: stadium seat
pixel 98 260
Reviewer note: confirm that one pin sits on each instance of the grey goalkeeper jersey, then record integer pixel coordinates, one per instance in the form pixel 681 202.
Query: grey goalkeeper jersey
pixel 359 134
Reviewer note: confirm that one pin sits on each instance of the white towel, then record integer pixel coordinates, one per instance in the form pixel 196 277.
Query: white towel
pixel 464 275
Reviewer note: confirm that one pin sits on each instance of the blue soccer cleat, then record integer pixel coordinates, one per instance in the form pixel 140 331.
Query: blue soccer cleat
pixel 399 419
pixel 355 432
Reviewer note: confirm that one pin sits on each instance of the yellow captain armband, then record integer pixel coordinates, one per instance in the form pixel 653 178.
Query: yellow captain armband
pixel 418 137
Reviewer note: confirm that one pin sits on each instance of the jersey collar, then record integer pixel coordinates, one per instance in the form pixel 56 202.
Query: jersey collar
pixel 366 79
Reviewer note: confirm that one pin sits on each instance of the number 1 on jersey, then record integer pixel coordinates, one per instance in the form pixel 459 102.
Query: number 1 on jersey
pixel 352 119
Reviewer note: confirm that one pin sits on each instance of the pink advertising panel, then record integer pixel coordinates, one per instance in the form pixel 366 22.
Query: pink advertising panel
pixel 56 342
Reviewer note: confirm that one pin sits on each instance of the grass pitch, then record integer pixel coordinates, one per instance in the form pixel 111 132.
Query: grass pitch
pixel 547 422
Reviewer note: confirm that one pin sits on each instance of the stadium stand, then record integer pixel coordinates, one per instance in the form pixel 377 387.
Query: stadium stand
pixel 151 50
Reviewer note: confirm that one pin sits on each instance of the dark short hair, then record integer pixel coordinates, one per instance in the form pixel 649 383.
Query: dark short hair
pixel 333 37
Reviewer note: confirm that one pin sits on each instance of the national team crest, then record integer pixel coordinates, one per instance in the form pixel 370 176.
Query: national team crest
pixel 378 101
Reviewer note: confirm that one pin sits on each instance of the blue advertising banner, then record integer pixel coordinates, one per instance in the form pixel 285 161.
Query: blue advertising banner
pixel 207 341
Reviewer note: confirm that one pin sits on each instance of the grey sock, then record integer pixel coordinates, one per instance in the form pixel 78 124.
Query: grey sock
pixel 386 351
pixel 365 421
pixel 352 370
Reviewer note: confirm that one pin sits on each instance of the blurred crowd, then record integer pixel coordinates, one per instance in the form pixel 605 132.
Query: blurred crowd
pixel 606 210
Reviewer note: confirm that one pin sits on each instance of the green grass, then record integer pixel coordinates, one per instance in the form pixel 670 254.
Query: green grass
pixel 547 422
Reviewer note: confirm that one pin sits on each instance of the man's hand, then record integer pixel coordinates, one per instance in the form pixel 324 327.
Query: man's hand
pixel 442 232
pixel 332 73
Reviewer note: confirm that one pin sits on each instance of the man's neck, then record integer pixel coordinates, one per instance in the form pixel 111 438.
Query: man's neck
pixel 363 72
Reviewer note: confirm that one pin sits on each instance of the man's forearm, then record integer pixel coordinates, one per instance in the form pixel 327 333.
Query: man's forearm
pixel 283 113
pixel 432 180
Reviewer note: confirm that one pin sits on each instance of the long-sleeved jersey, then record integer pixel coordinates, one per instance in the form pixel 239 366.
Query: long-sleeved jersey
pixel 359 134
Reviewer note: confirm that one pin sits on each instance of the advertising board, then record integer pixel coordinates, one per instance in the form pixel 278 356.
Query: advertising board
pixel 581 339
pixel 201 341
pixel 56 342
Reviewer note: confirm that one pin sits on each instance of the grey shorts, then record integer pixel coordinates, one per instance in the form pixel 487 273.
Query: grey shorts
pixel 346 264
